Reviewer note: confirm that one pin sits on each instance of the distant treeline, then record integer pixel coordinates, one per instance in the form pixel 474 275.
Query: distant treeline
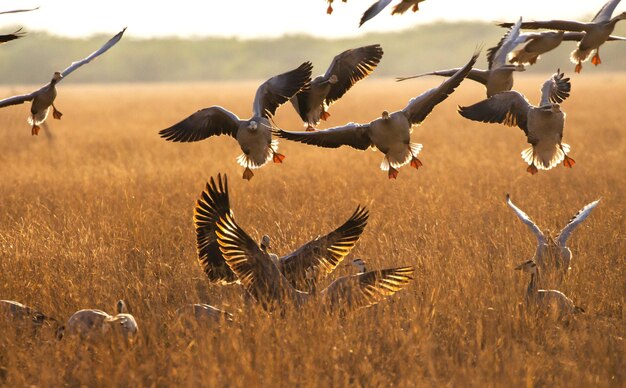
pixel 35 57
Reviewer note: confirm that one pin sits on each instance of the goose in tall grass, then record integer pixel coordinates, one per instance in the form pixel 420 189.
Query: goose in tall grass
pixel 254 135
pixel 202 315
pixel 23 316
pixel 258 270
pixel 595 32
pixel 96 323
pixel 553 252
pixel 43 98
pixel 320 255
pixel 542 124
pixel 499 76
pixel 390 134
pixel 400 8
pixel 346 69
pixel 546 299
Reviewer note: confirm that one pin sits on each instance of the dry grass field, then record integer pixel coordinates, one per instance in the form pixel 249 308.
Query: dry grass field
pixel 103 211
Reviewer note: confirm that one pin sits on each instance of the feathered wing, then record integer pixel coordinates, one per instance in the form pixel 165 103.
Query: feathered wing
pixel 480 76
pixel 508 108
pixel 605 13
pixel 526 220
pixel 496 56
pixel 15 100
pixel 556 89
pixel 324 253
pixel 565 25
pixel 212 203
pixel 575 221
pixel 353 135
pixel 421 106
pixel 374 10
pixel 75 65
pixel 19 10
pixel 279 89
pixel 366 289
pixel 9 37
pixel 350 67
pixel 213 121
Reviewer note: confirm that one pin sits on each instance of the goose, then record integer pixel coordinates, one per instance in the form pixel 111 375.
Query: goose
pixel 22 315
pixel 9 37
pixel 202 314
pixel 543 124
pixel 95 323
pixel 400 8
pixel 595 32
pixel 545 299
pixel 253 135
pixel 321 255
pixel 346 69
pixel 259 274
pixel 499 76
pixel 391 133
pixel 44 97
pixel 553 251
pixel 540 43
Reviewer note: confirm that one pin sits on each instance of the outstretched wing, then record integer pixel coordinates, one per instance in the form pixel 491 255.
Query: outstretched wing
pixel 212 203
pixel 564 25
pixel 94 55
pixel 326 252
pixel 19 10
pixel 574 222
pixel 496 56
pixel 366 289
pixel 477 75
pixel 213 121
pixel 526 220
pixel 279 89
pixel 374 10
pixel 556 89
pixel 421 106
pixel 9 37
pixel 509 108
pixel 350 67
pixel 605 13
pixel 353 135
pixel 15 100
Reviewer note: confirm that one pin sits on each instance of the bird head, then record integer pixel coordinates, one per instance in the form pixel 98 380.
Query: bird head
pixel 265 243
pixel 527 266
pixel 385 115
pixel 121 307
pixel 253 125
pixel 56 77
pixel 333 79
pixel 359 263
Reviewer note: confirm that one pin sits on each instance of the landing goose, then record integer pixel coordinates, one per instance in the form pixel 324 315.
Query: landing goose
pixel 321 255
pixel 346 69
pixel 400 8
pixel 259 274
pixel 553 252
pixel 94 323
pixel 391 134
pixel 546 299
pixel 43 98
pixel 499 76
pixel 595 32
pixel 253 135
pixel 542 124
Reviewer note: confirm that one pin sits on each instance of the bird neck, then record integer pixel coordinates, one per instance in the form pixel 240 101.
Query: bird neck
pixel 533 290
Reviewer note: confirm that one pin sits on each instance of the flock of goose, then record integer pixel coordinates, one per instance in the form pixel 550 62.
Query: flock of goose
pixel 228 255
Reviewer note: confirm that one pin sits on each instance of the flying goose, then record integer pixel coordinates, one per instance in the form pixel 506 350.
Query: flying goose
pixel 546 299
pixel 259 274
pixel 95 323
pixel 22 315
pixel 253 135
pixel 321 255
pixel 553 252
pixel 400 8
pixel 499 76
pixel 391 133
pixel 595 32
pixel 346 69
pixel 543 124
pixel 43 98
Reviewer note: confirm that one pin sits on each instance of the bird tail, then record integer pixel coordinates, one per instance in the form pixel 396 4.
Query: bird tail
pixel 545 158
pixel 579 55
pixel 398 158
pixel 258 160
pixel 39 117
pixel 522 57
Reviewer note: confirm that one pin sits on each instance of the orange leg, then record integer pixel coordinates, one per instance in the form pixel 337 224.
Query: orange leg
pixel 35 130
pixel 247 174
pixel 393 173
pixel 278 158
pixel 310 128
pixel 325 115
pixel 56 114
pixel 329 10
pixel 578 67
pixel 596 58
pixel 532 169
pixel 568 162
pixel 416 163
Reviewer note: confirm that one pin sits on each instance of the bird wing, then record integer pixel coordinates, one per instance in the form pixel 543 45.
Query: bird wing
pixel 509 108
pixel 352 134
pixel 212 203
pixel 526 220
pixel 9 37
pixel 350 67
pixel 613 37
pixel 421 106
pixel 374 10
pixel 15 100
pixel 604 15
pixel 367 289
pixel 477 75
pixel 213 121
pixel 565 25
pixel 279 89
pixel 19 10
pixel 94 55
pixel 574 222
pixel 326 252
pixel 556 89
pixel 496 56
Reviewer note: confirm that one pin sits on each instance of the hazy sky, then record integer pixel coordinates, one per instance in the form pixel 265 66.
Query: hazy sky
pixel 252 18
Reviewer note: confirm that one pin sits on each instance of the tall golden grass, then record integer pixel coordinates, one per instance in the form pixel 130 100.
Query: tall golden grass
pixel 103 211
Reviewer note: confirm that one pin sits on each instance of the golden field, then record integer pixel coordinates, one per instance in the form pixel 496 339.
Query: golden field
pixel 103 211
